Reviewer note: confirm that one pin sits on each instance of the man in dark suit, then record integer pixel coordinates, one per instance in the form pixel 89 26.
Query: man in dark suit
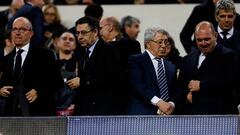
pixel 98 71
pixel 110 31
pixel 203 12
pixel 30 75
pixel 228 35
pixel 32 10
pixel 207 77
pixel 148 97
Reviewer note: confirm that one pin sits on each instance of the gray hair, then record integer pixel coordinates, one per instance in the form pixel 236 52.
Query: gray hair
pixel 151 32
pixel 227 5
pixel 128 21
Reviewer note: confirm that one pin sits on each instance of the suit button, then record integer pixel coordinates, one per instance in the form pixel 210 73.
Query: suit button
pixel 87 82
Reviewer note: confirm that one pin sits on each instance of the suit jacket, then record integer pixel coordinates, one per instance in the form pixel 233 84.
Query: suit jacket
pixel 99 81
pixel 217 76
pixel 39 72
pixel 35 15
pixel 143 79
pixel 202 12
pixel 233 43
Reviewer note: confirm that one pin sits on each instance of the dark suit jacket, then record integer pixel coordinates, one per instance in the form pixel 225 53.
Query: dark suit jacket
pixel 144 84
pixel 125 47
pixel 233 43
pixel 99 81
pixel 39 72
pixel 217 76
pixel 35 15
pixel 202 12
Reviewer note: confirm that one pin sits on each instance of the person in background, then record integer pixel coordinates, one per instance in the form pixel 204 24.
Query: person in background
pixel 30 75
pixel 172 54
pixel 110 31
pixel 68 63
pixel 99 71
pixel 228 35
pixel 203 12
pixel 130 27
pixel 207 78
pixel 7 14
pixel 152 78
pixel 52 21
pixel 32 10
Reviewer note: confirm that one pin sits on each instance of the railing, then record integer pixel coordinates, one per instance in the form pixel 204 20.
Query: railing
pixel 121 125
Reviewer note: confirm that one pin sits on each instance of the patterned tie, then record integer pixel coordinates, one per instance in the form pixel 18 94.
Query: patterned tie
pixel 162 81
pixel 18 63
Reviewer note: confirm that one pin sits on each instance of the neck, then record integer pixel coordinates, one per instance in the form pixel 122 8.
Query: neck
pixel 65 56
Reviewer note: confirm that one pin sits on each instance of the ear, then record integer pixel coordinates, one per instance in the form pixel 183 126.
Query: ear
pixel 110 28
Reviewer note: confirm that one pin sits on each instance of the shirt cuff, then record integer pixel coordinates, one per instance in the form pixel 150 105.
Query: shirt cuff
pixel 172 103
pixel 155 99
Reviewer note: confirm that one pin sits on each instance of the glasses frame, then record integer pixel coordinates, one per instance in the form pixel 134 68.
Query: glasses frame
pixel 83 33
pixel 20 30
pixel 165 42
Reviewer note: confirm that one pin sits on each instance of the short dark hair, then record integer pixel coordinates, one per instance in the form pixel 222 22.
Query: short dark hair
pixel 94 10
pixel 92 22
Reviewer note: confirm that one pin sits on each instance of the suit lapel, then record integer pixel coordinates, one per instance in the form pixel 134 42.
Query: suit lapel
pixel 149 66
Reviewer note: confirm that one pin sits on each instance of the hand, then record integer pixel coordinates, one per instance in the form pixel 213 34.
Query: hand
pixel 74 83
pixel 189 97
pixel 165 108
pixel 194 85
pixel 6 91
pixel 31 95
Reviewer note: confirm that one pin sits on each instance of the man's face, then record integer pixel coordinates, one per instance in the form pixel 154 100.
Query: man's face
pixel 85 35
pixel 133 31
pixel 225 19
pixel 159 45
pixel 205 39
pixel 67 42
pixel 104 30
pixel 21 33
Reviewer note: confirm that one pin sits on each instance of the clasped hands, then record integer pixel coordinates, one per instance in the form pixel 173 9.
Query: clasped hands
pixel 164 108
pixel 31 95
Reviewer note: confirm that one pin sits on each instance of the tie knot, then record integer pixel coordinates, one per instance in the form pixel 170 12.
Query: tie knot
pixel 158 59
pixel 19 52
pixel 224 33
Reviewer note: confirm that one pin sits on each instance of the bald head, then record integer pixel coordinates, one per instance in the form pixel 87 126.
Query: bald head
pixel 204 25
pixel 206 37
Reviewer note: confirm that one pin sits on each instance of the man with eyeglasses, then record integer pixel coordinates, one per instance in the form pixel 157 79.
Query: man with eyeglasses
pixel 30 75
pixel 152 78
pixel 207 78
pixel 98 71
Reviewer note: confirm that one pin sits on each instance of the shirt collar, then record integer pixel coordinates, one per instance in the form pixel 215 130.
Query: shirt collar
pixel 25 48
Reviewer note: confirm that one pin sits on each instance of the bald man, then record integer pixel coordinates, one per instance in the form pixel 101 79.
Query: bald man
pixel 30 75
pixel 207 78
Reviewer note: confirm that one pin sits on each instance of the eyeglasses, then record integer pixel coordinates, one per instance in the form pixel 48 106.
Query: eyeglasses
pixel 21 30
pixel 161 42
pixel 83 33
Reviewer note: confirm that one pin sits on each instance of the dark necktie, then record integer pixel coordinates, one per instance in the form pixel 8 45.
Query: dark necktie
pixel 224 34
pixel 18 63
pixel 87 52
pixel 162 81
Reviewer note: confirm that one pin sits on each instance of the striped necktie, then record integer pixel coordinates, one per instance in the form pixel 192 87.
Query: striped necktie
pixel 162 81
